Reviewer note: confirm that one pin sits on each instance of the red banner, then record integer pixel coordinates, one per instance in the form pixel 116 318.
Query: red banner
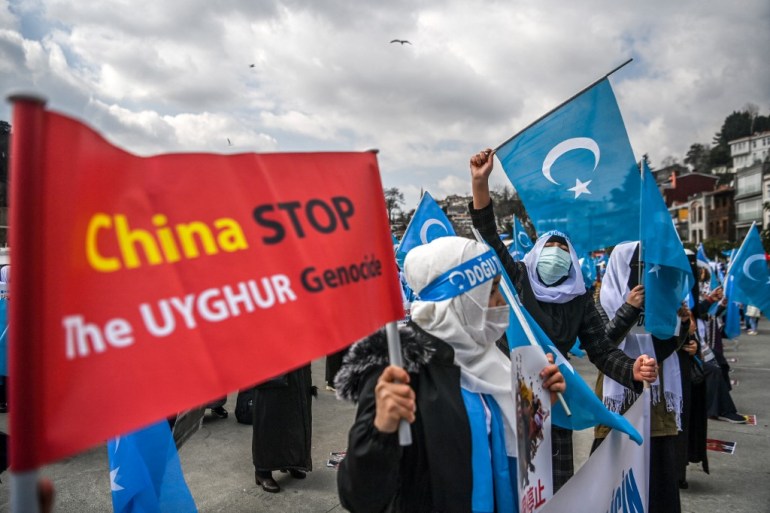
pixel 145 286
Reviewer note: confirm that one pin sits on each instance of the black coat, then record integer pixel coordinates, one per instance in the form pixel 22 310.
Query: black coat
pixel 283 422
pixel 434 473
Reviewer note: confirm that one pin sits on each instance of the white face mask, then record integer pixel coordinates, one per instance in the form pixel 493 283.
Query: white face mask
pixel 496 320
pixel 554 264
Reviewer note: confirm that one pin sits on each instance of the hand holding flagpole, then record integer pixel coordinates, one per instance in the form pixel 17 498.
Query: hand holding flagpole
pixel 394 353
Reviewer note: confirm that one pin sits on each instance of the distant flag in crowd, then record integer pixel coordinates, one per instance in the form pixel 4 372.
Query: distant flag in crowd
pixel 521 243
pixel 586 408
pixel 667 274
pixel 712 267
pixel 749 269
pixel 733 316
pixel 701 254
pixel 575 170
pixel 429 222
pixel 588 268
pixel 145 473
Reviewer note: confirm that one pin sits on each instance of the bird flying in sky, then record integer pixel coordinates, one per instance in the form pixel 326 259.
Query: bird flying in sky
pixel 228 142
pixel 402 41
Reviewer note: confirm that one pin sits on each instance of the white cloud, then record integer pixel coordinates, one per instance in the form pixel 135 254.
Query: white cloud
pixel 176 75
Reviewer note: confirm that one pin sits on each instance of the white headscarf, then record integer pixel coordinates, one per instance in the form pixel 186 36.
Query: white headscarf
pixel 5 279
pixel 459 321
pixel 571 288
pixel 612 295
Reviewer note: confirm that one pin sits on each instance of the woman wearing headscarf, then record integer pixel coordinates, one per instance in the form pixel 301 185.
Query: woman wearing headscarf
pixel 455 389
pixel 550 285
pixel 621 279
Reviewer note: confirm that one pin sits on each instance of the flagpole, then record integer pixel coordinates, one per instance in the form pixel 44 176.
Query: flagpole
pixel 25 335
pixel 563 103
pixel 511 297
pixel 640 271
pixel 394 353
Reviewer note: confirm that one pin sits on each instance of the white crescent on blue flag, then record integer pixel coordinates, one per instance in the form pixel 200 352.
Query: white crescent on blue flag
pixel 749 270
pixel 429 222
pixel 667 274
pixel 521 243
pixel 145 473
pixel 575 171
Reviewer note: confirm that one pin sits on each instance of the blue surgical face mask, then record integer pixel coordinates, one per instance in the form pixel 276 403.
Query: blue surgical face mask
pixel 554 264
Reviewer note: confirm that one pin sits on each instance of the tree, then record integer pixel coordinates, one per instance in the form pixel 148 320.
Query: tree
pixel 669 161
pixel 737 125
pixel 698 157
pixel 394 198
pixel 506 202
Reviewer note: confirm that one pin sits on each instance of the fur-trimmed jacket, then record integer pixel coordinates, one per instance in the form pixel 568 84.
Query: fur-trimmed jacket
pixel 432 474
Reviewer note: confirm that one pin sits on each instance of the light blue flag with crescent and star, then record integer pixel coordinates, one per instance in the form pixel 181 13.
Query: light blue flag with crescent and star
pixel 145 473
pixel 667 274
pixel 521 243
pixel 429 222
pixel 575 171
pixel 749 270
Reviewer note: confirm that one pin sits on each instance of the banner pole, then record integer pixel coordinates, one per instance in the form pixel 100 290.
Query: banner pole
pixel 512 300
pixel 24 335
pixel 394 353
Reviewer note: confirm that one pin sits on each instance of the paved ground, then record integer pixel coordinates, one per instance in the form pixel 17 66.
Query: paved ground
pixel 218 469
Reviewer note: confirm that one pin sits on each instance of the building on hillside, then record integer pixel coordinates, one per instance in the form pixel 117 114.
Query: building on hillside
pixel 766 196
pixel 681 219
pixel 456 209
pixel 698 218
pixel 748 199
pixel 664 175
pixel 720 213
pixel 747 151
pixel 686 185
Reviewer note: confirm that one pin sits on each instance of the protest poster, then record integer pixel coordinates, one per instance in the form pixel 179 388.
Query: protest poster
pixel 178 278
pixel 615 479
pixel 533 428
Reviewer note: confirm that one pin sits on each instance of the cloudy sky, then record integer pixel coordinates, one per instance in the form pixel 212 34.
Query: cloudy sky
pixel 303 75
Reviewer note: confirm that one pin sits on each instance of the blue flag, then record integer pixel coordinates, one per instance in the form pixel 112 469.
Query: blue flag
pixel 145 473
pixel 521 243
pixel 701 254
pixel 575 171
pixel 587 409
pixel 712 268
pixel 733 317
pixel 749 269
pixel 429 222
pixel 667 274
pixel 588 268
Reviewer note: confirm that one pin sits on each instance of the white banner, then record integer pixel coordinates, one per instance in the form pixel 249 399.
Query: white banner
pixel 533 428
pixel 615 479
